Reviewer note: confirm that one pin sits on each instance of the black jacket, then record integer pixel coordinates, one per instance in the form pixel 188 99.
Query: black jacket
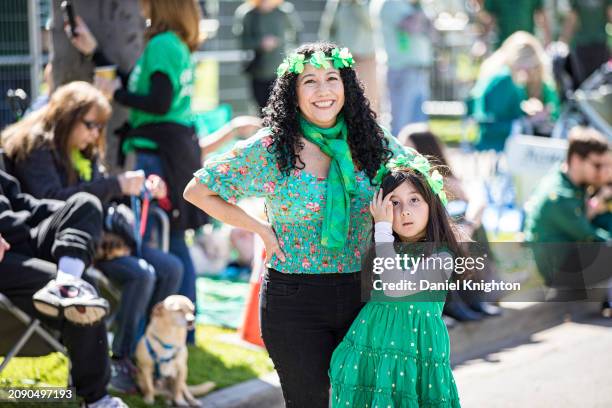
pixel 43 176
pixel 20 212
pixel 180 155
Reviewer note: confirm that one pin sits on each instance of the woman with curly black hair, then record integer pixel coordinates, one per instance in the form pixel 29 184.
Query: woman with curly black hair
pixel 313 163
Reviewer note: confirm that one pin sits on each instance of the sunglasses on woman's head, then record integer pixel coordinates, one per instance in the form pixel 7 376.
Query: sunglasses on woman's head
pixel 90 125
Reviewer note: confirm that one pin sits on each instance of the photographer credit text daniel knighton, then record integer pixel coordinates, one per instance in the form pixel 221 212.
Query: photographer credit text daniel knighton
pixel 408 285
pixel 423 281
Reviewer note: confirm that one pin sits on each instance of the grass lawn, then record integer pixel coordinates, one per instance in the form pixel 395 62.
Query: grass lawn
pixel 211 359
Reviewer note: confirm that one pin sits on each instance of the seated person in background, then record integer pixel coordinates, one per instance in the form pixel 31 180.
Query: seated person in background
pixel 56 153
pixel 558 210
pixel 515 82
pixel 45 247
pixel 601 196
pixel 601 199
pixel 470 306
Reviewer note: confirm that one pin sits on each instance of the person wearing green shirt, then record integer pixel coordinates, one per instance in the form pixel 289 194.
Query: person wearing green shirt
pixel 314 164
pixel 585 30
pixel 405 32
pixel 514 83
pixel 557 215
pixel 601 203
pixel 269 28
pixel 161 124
pixel 516 15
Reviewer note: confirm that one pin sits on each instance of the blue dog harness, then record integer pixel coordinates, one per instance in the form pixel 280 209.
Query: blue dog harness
pixel 156 359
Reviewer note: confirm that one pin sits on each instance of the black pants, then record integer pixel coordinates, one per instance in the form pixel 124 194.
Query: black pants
pixel 261 90
pixel 72 231
pixel 303 319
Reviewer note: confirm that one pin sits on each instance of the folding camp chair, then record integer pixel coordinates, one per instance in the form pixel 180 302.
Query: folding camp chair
pixel 23 335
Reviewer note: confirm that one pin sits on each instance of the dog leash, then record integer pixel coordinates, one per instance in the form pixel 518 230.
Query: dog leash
pixel 146 200
pixel 140 207
pixel 136 209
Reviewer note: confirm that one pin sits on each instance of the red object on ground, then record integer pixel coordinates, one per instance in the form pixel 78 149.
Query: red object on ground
pixel 249 331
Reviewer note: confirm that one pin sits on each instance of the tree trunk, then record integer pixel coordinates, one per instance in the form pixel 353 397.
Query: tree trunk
pixel 118 27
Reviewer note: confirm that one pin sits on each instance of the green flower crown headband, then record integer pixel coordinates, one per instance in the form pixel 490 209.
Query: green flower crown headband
pixel 418 163
pixel 340 58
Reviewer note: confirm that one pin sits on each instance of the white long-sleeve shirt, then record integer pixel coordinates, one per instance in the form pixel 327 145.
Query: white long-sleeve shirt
pixel 434 268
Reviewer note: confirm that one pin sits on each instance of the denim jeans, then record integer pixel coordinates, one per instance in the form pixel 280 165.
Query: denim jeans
pixel 144 282
pixel 151 164
pixel 408 88
pixel 303 319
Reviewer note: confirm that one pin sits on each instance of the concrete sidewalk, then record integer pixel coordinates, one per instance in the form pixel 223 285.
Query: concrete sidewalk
pixel 263 392
pixel 566 366
pixel 468 340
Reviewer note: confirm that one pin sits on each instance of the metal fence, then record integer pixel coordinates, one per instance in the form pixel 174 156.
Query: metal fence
pixel 21 57
pixel 22 54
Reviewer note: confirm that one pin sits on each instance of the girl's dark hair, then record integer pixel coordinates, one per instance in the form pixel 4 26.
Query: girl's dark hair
pixel 429 145
pixel 366 139
pixel 440 231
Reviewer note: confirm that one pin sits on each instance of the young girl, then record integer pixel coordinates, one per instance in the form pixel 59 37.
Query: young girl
pixel 396 353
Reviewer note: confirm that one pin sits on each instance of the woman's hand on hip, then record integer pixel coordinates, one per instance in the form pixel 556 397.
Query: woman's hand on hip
pixel 271 243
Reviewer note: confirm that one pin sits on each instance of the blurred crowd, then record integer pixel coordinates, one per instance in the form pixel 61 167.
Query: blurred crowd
pixel 62 207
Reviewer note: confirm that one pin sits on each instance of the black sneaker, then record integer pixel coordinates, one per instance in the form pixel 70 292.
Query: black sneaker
pixel 76 299
pixel 123 372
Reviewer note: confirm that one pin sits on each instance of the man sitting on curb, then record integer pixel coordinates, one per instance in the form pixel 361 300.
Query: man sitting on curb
pixel 558 213
pixel 45 246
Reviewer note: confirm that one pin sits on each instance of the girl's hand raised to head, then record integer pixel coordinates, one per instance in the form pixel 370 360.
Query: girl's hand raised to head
pixel 381 207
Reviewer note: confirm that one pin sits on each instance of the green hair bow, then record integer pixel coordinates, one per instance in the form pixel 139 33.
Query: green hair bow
pixel 418 163
pixel 340 58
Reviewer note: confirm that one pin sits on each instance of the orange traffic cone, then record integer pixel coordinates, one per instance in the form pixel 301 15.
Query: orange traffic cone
pixel 250 326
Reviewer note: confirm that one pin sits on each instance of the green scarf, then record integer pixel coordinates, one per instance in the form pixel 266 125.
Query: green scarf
pixel 341 183
pixel 81 164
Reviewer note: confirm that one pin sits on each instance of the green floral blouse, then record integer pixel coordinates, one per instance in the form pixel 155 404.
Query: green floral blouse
pixel 295 205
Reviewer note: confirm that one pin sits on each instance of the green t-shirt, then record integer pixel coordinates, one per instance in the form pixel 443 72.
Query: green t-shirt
pixel 591 21
pixel 164 53
pixel 513 16
pixel 495 102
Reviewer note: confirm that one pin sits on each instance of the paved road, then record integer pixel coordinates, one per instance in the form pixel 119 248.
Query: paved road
pixel 567 366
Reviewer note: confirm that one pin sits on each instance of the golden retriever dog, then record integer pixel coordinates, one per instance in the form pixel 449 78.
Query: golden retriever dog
pixel 161 354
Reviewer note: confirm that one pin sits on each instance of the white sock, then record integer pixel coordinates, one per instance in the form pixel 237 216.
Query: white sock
pixel 101 402
pixel 68 268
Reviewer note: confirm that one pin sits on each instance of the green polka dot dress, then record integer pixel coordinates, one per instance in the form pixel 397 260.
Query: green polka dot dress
pixel 396 354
